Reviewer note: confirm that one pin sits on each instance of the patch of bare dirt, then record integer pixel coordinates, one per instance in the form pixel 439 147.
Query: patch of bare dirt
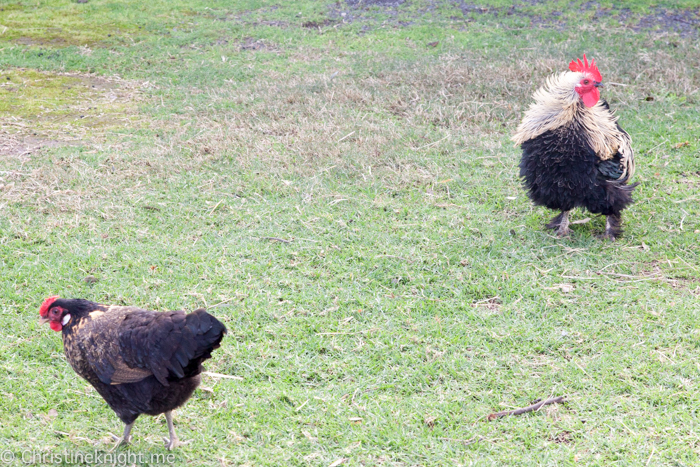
pixel 62 109
pixel 250 43
pixel 685 22
pixel 368 3
pixel 318 24
pixel 20 145
pixel 352 11
pixel 245 17
pixel 565 437
pixel 491 304
pixel 33 41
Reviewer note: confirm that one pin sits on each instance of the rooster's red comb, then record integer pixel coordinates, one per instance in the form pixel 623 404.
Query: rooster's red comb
pixel 44 310
pixel 584 67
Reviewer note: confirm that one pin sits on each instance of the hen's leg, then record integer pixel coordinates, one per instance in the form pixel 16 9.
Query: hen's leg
pixel 173 442
pixel 561 224
pixel 126 439
pixel 613 227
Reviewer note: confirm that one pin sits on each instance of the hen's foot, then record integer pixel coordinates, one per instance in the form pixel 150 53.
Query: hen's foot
pixel 125 439
pixel 173 443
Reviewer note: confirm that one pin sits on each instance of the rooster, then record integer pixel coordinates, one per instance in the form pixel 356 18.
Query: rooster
pixel 139 361
pixel 574 152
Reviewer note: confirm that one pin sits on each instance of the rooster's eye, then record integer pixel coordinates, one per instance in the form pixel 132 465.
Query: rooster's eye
pixel 585 81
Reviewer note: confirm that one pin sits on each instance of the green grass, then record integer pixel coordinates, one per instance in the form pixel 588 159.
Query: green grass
pixel 415 291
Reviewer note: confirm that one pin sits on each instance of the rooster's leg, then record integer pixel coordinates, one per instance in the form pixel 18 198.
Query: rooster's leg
pixel 613 227
pixel 561 224
pixel 126 439
pixel 173 442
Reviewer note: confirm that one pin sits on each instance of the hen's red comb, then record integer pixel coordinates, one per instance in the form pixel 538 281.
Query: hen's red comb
pixel 586 68
pixel 44 310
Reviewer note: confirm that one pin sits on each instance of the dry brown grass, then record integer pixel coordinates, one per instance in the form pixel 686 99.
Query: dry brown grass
pixel 389 118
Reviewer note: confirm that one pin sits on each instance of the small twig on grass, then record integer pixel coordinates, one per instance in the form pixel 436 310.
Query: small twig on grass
pixel 650 456
pixel 531 408
pixel 687 199
pixel 686 263
pixel 214 208
pixel 486 300
pixel 276 239
pixel 346 333
pixel 301 406
pixel 219 375
pixel 662 142
pixel 346 136
pixel 466 442
pixel 582 221
pixel 627 276
pixel 430 144
pixel 228 300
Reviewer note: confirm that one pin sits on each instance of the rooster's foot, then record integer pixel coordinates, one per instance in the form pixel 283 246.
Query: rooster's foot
pixel 613 228
pixel 561 224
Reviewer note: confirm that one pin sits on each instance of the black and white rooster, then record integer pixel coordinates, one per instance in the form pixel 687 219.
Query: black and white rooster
pixel 574 152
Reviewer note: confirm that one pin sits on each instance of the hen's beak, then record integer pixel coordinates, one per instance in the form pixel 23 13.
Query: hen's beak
pixel 598 84
pixel 43 320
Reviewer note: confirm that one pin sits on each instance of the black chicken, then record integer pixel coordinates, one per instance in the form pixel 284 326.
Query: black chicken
pixel 141 362
pixel 574 152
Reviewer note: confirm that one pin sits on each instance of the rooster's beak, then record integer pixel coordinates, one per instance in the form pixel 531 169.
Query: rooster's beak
pixel 43 321
pixel 598 84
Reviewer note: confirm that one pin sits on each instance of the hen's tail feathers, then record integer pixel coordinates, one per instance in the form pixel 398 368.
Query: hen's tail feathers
pixel 206 334
pixel 208 331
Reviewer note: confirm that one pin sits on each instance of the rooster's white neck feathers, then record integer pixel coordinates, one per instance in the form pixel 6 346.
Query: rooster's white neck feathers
pixel 557 104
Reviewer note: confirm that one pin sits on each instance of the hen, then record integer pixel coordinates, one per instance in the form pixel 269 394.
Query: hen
pixel 139 361
pixel 574 152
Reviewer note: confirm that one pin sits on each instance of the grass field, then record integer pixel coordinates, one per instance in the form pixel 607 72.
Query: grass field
pixel 335 182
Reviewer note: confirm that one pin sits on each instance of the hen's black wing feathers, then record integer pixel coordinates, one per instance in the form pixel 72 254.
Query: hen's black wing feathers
pixel 171 344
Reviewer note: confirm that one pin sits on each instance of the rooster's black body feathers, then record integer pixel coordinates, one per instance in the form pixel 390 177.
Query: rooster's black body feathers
pixel 561 171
